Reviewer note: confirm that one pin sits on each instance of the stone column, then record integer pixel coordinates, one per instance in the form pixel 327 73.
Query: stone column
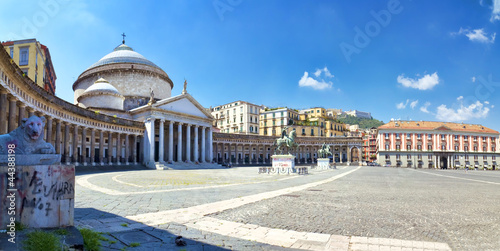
pixel 75 148
pixel 229 153
pixel 127 149
pixel 58 137
pixel 92 146
pixel 31 112
pixel 188 142
pixel 3 111
pixel 12 114
pixel 216 151
pixel 203 145
pixel 110 148
pixel 101 147
pixel 170 142
pixel 210 145
pixel 84 146
pixel 22 109
pixel 48 135
pixel 161 150
pixel 118 148
pixel 134 150
pixel 179 142
pixel 349 157
pixel 150 142
pixel 66 143
pixel 196 141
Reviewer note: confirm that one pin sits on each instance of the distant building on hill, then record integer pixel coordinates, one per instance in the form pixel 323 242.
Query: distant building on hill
pixel 359 114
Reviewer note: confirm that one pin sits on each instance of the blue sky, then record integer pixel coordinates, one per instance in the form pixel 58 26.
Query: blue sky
pixel 419 60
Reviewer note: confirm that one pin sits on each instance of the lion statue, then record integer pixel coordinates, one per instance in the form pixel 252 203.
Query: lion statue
pixel 28 138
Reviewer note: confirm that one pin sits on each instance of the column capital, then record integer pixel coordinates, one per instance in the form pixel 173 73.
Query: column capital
pixel 180 123
pixel 3 91
pixel 12 99
pixel 162 120
pixel 21 105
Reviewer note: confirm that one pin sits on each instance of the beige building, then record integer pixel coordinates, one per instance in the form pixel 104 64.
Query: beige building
pixel 237 117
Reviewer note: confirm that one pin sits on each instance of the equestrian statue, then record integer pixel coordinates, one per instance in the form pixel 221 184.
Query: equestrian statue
pixel 324 152
pixel 285 140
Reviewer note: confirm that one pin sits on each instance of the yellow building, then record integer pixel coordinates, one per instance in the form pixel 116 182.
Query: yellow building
pixel 274 120
pixel 33 58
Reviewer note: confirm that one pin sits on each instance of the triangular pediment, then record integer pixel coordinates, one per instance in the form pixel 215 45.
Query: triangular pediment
pixel 184 104
pixel 442 128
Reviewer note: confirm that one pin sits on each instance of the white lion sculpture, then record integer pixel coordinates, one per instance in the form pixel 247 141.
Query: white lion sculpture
pixel 28 138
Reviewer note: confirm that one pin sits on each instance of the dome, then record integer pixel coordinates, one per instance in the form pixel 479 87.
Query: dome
pixel 123 54
pixel 101 86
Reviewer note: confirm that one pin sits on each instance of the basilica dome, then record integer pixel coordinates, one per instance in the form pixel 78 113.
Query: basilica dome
pixel 130 73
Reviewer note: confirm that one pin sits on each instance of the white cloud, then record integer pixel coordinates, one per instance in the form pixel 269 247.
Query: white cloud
pixel 427 82
pixel 317 73
pixel 475 110
pixel 307 81
pixel 424 107
pixel 327 73
pixel 473 79
pixel 402 105
pixel 460 98
pixel 477 35
pixel 495 15
pixel 413 104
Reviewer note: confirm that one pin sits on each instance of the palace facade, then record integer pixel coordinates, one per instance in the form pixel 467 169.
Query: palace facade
pixel 426 144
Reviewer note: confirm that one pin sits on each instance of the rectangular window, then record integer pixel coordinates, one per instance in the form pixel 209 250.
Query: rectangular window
pixel 408 147
pixel 456 137
pixel 456 148
pixel 493 158
pixel 429 156
pixel 23 56
pixel 408 135
pixel 387 147
pixel 408 156
pixel 387 157
pixel 485 157
pixel 466 138
pixel 466 148
pixel 420 156
pixel 397 135
pixel 429 136
pixel 475 138
pixel 398 157
pixel 442 137
pixel 12 52
pixel 475 157
pixel 312 132
pixel 466 157
pixel 398 147
pixel 419 136
pixel 386 134
pixel 419 147
pixel 475 149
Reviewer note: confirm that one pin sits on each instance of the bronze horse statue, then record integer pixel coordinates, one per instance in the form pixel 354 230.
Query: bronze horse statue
pixel 324 152
pixel 288 141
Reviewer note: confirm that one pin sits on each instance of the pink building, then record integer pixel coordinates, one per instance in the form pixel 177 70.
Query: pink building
pixel 427 144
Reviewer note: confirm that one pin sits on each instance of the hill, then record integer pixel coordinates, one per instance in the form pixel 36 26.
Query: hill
pixel 362 122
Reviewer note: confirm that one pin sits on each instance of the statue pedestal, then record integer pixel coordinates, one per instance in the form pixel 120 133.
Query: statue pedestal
pixel 323 163
pixel 282 164
pixel 40 196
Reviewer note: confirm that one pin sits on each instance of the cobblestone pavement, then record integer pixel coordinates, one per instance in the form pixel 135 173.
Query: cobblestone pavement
pixel 454 207
pixel 350 208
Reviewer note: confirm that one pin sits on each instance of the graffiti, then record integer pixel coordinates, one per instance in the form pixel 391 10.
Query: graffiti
pixel 44 194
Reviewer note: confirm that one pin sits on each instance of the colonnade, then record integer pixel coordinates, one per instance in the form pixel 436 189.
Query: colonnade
pixel 78 145
pixel 260 153
pixel 175 141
